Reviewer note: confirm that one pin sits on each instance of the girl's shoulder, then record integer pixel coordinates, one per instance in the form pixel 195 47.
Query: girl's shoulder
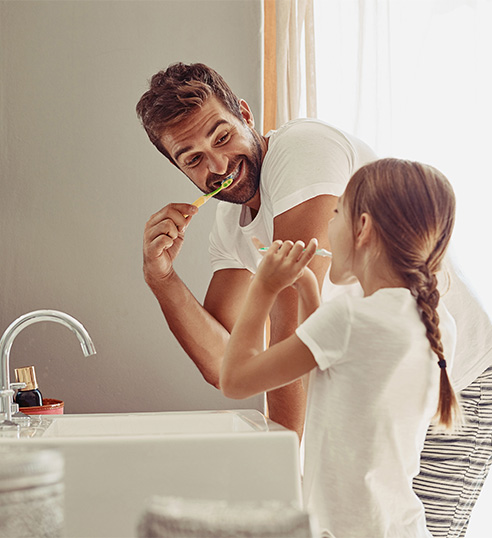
pixel 386 306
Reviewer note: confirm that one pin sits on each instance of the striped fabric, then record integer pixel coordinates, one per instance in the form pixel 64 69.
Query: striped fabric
pixel 453 468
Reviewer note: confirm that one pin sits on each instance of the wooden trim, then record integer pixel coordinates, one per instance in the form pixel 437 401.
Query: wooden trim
pixel 269 67
pixel 269 86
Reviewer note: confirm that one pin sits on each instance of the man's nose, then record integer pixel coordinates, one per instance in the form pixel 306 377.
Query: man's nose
pixel 218 163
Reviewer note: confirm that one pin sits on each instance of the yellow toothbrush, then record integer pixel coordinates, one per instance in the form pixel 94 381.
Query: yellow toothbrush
pixel 205 197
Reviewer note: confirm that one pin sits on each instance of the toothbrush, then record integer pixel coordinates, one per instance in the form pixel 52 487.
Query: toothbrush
pixel 205 197
pixel 319 252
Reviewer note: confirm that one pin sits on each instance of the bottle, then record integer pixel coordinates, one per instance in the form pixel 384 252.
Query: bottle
pixel 29 396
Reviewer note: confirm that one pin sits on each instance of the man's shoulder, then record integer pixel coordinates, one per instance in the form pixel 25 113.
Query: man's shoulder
pixel 304 125
pixel 310 134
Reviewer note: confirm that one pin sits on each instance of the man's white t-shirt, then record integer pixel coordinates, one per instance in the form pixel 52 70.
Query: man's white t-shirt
pixel 370 402
pixel 305 158
pixel 474 327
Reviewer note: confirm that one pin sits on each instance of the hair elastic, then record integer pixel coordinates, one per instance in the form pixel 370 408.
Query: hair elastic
pixel 442 363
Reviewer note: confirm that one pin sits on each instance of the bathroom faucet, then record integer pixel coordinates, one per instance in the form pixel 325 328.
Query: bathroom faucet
pixel 8 337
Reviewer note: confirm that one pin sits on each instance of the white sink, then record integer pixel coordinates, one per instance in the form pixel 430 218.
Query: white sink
pixel 115 462
pixel 155 424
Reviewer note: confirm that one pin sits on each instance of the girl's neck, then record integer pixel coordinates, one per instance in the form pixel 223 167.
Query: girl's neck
pixel 376 273
pixel 374 286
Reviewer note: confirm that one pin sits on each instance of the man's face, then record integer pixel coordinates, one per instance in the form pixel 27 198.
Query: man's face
pixel 211 144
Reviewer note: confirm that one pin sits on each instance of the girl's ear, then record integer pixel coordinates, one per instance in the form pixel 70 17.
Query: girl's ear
pixel 365 231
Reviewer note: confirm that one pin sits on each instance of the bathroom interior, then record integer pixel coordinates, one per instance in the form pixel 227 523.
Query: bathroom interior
pixel 79 179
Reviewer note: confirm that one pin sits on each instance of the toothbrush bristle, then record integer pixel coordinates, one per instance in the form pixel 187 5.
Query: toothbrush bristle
pixel 226 182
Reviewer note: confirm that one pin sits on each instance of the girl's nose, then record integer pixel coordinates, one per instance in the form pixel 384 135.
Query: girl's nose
pixel 217 164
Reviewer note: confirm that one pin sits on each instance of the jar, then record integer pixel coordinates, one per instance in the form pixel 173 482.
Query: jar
pixel 31 492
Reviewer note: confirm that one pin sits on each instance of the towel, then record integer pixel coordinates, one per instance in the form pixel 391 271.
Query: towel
pixel 173 517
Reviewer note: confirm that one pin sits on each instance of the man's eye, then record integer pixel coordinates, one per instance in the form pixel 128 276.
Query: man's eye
pixel 193 161
pixel 223 139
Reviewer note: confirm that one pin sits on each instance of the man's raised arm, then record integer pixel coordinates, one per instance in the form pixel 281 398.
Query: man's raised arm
pixel 203 332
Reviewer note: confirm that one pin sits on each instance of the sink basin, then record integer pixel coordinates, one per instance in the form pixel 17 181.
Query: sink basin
pixel 115 462
pixel 155 424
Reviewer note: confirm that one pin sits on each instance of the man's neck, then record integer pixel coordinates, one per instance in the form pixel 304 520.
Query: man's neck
pixel 255 202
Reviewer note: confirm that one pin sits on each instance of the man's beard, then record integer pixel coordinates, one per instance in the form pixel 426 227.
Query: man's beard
pixel 251 167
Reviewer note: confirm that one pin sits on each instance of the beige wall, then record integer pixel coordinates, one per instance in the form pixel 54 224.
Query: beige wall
pixel 79 179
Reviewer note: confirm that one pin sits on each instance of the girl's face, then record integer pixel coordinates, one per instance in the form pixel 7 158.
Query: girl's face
pixel 341 237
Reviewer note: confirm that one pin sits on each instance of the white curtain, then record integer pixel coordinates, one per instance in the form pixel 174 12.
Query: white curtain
pixel 296 73
pixel 413 78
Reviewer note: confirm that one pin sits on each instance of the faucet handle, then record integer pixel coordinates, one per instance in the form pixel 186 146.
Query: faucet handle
pixel 6 396
pixel 17 417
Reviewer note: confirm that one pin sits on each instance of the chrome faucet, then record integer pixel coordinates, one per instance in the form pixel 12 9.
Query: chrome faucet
pixel 7 339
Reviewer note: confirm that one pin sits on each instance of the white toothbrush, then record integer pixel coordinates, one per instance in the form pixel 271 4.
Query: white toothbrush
pixel 319 252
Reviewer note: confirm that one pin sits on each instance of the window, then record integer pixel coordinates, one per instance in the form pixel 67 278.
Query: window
pixel 413 79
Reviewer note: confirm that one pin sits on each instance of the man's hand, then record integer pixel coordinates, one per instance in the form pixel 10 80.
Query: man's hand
pixel 163 237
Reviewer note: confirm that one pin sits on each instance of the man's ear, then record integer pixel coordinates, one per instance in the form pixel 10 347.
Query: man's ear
pixel 246 113
pixel 365 230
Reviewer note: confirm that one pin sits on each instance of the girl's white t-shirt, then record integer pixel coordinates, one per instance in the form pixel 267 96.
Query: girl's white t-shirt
pixel 370 402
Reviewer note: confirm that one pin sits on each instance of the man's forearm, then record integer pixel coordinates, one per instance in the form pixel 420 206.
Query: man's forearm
pixel 287 405
pixel 198 332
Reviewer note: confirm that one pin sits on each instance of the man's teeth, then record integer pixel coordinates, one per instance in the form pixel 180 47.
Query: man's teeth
pixel 234 175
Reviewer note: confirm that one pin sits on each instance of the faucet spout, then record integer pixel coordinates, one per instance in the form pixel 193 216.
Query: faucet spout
pixel 9 336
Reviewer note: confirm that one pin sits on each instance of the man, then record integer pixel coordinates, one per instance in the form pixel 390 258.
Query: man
pixel 285 187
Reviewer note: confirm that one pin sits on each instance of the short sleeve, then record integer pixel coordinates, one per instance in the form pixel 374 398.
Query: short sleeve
pixel 327 331
pixel 220 256
pixel 307 159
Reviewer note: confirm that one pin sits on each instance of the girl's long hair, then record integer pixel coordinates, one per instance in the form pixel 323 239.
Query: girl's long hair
pixel 412 206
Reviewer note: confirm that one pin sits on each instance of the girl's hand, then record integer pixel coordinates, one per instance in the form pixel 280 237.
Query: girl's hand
pixel 283 264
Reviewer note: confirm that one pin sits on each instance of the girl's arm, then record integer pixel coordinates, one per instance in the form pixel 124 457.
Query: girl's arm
pixel 247 369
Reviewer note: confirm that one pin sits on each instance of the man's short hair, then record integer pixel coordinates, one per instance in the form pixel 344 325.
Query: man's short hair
pixel 177 92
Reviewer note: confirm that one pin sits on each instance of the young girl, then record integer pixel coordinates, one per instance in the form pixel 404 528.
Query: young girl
pixel 378 363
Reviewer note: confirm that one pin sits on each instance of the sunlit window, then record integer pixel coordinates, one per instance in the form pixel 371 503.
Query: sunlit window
pixel 414 80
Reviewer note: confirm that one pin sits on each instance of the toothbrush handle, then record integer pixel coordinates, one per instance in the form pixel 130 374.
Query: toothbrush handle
pixel 205 197
pixel 200 201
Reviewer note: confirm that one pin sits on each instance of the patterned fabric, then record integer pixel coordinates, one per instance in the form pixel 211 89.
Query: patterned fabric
pixel 454 467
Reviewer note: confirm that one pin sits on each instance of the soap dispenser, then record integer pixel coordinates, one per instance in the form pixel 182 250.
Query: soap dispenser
pixel 29 396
